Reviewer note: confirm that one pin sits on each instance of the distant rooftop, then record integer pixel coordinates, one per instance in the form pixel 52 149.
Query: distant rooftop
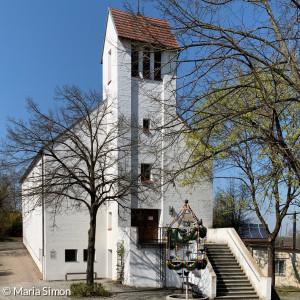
pixel 253 231
pixel 144 29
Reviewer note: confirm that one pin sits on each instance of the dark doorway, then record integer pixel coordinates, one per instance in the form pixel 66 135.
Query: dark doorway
pixel 146 220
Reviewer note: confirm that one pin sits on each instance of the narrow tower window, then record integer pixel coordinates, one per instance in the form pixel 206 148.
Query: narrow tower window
pixel 146 63
pixel 109 221
pixel 146 173
pixel 157 65
pixel 109 67
pixel 134 61
pixel 146 125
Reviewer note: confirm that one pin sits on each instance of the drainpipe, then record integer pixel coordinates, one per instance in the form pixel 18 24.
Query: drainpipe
pixel 43 217
pixel 294 231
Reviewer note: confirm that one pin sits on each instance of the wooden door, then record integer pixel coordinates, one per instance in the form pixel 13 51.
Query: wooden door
pixel 147 222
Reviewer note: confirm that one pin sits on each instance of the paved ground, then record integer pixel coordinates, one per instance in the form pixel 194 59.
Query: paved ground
pixel 46 288
pixel 20 279
pixel 15 263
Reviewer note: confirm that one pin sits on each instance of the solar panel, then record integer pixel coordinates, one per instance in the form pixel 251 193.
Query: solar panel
pixel 253 231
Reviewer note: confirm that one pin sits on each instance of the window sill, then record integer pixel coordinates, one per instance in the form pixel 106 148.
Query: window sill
pixel 147 79
pixel 146 181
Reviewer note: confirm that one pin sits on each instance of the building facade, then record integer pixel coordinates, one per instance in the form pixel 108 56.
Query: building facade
pixel 139 84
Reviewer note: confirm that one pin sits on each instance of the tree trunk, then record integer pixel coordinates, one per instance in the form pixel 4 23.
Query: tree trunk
pixel 271 261
pixel 91 249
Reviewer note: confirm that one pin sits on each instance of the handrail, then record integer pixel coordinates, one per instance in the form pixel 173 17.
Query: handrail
pixel 254 271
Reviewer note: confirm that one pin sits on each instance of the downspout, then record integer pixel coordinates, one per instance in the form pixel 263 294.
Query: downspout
pixel 294 230
pixel 43 217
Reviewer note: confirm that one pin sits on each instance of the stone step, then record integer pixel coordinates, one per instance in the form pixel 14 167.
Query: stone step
pixel 234 281
pixel 228 272
pixel 226 267
pixel 237 283
pixel 236 293
pixel 242 289
pixel 222 258
pixel 226 263
pixel 243 297
pixel 220 255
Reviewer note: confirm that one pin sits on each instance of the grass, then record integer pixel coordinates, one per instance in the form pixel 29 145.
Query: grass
pixel 286 290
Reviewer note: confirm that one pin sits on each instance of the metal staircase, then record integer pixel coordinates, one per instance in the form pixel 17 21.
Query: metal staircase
pixel 232 283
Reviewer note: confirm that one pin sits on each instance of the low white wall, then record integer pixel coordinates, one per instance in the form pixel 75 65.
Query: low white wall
pixel 261 283
pixel 141 264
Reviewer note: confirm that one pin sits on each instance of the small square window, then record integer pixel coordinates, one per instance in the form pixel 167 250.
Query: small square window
pixel 279 267
pixel 146 173
pixel 146 125
pixel 70 255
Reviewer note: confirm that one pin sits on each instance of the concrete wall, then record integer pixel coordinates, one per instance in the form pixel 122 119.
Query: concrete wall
pixel 292 265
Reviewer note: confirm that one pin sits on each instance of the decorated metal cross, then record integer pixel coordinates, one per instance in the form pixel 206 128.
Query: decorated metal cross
pixel 184 231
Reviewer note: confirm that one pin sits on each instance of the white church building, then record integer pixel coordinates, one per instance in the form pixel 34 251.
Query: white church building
pixel 139 85
pixel 139 78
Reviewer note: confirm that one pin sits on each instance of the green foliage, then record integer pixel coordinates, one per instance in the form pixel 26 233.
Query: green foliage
pixel 83 290
pixel 16 227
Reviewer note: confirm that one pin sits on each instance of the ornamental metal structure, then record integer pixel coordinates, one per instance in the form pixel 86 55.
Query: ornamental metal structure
pixel 186 243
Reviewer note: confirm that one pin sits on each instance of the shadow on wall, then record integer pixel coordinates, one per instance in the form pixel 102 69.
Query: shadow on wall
pixel 261 258
pixel 295 266
pixel 146 267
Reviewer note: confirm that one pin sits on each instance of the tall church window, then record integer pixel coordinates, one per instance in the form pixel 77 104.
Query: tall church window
pixel 146 63
pixel 134 61
pixel 157 65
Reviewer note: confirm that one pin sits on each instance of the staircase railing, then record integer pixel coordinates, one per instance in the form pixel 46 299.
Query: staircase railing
pixel 261 283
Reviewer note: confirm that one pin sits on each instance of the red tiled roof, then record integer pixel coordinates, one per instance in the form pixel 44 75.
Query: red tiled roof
pixel 144 29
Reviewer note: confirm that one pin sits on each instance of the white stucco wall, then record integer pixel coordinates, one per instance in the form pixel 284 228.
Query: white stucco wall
pixel 69 230
pixel 32 216
pixel 291 277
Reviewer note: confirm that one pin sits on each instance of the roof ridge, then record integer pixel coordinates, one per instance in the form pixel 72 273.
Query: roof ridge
pixel 138 15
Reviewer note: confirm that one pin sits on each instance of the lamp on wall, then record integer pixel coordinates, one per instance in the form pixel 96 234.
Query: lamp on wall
pixel 171 210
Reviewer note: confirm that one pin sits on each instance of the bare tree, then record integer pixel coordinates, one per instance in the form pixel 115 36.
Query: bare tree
pixel 238 88
pixel 77 157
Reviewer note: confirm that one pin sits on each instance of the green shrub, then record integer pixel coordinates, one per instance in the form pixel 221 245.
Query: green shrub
pixel 83 290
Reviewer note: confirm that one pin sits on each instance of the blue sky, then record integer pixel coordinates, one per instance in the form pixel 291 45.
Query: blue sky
pixel 49 43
